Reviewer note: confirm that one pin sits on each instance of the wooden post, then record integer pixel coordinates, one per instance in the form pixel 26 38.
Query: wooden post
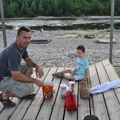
pixel 111 31
pixel 3 23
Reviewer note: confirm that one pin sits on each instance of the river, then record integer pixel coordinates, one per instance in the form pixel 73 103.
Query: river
pixel 58 21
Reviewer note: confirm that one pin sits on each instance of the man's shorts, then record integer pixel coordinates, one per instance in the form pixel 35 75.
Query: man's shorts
pixel 20 89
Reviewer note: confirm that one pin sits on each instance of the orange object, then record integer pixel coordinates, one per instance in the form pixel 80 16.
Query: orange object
pixel 47 89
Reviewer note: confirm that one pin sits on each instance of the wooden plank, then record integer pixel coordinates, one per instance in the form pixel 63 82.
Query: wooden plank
pixel 99 106
pixel 47 106
pixel 112 76
pixel 58 109
pixel 33 110
pixel 110 70
pixel 110 97
pixel 24 105
pixel 83 107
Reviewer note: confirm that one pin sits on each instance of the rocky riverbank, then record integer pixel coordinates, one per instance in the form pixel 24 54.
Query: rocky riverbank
pixel 60 50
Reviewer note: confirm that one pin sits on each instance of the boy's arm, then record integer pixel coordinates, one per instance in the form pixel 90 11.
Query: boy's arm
pixel 87 75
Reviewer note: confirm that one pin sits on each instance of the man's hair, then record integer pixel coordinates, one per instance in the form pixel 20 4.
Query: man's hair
pixel 23 28
pixel 81 47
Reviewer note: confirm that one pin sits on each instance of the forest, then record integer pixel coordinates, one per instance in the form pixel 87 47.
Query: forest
pixel 33 8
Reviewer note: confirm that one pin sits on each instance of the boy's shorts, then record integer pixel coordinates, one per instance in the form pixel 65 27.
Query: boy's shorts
pixel 78 77
pixel 20 89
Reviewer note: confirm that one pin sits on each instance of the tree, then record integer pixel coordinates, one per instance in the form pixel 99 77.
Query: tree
pixel 10 10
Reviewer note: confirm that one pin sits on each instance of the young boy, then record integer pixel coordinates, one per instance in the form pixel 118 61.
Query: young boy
pixel 81 71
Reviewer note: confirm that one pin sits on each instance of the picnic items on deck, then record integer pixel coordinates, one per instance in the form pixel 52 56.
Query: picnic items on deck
pixel 70 101
pixel 84 90
pixel 72 86
pixel 63 90
pixel 68 92
pixel 47 89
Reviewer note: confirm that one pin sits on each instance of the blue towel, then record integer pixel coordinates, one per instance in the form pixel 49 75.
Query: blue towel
pixel 105 87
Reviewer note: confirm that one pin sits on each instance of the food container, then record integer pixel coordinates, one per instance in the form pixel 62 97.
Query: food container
pixel 84 90
pixel 47 89
pixel 63 90
pixel 72 86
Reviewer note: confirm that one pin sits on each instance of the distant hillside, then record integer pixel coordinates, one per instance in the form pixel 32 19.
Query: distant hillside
pixel 33 8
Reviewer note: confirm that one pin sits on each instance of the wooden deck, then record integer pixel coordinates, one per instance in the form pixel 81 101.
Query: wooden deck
pixel 105 105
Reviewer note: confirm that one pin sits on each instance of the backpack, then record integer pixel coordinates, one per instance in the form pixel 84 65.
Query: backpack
pixel 70 101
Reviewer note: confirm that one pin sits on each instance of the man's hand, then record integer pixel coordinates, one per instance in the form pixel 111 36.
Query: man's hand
pixel 39 72
pixel 39 83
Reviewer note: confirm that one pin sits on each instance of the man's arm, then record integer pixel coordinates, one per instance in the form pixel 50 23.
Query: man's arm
pixel 16 75
pixel 31 63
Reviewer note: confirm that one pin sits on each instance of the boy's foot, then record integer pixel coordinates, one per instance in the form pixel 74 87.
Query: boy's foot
pixel 28 97
pixel 7 103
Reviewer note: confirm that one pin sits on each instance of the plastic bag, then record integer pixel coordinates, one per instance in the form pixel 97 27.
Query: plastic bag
pixel 70 101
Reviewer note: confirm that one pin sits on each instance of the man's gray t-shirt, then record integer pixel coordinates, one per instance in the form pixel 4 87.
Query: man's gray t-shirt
pixel 10 59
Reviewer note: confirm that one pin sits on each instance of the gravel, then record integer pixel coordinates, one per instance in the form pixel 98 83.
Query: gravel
pixel 60 50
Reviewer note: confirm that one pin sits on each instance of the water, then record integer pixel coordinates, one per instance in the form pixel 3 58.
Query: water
pixel 53 21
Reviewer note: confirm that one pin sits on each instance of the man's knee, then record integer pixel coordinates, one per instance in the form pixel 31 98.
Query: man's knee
pixel 23 89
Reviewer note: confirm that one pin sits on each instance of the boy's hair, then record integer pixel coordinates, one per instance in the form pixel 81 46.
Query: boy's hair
pixel 23 28
pixel 81 47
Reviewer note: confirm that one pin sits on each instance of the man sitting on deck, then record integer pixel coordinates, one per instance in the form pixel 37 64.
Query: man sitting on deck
pixel 15 80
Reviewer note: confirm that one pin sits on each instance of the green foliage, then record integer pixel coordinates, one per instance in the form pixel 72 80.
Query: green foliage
pixel 32 8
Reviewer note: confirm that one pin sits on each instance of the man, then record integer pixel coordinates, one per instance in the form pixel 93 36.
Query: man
pixel 15 80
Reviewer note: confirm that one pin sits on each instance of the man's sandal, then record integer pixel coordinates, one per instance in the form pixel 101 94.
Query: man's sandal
pixel 7 103
pixel 28 97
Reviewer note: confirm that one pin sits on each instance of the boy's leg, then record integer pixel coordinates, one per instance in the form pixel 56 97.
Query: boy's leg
pixel 69 77
pixel 66 71
pixel 61 73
